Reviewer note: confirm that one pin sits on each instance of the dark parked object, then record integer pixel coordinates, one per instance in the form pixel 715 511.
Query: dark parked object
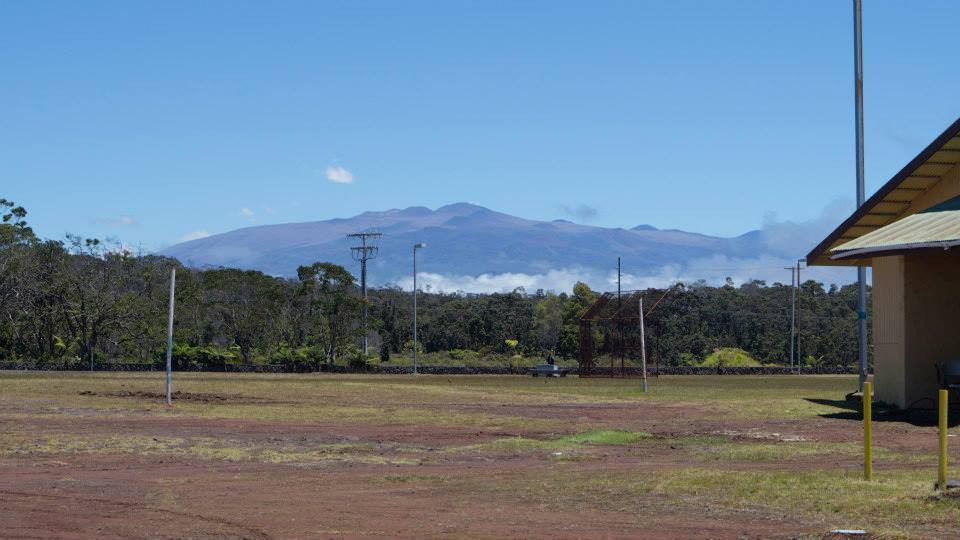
pixel 948 375
pixel 549 370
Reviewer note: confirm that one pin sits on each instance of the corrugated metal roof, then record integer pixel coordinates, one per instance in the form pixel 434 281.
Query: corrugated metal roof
pixel 891 201
pixel 935 227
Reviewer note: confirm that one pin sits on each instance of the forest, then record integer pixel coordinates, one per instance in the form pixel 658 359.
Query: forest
pixel 79 303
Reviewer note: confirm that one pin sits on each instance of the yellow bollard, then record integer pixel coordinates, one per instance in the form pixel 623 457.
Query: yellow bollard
pixel 942 465
pixel 867 401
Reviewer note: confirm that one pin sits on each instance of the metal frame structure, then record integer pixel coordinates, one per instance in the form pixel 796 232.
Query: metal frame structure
pixel 618 319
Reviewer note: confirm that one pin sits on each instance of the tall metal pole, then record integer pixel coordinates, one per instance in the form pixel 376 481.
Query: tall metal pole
pixel 858 98
pixel 415 342
pixel 173 287
pixel 793 311
pixel 414 310
pixel 643 347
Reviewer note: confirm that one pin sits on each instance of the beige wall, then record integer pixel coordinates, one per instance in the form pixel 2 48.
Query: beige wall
pixel 916 311
pixel 916 323
pixel 932 318
pixel 888 330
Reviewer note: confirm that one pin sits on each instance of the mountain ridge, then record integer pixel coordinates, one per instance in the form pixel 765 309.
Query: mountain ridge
pixel 463 239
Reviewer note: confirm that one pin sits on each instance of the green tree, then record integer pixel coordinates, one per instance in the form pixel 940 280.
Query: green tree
pixel 331 292
pixel 13 224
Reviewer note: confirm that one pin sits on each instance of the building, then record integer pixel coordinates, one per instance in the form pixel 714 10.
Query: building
pixel 907 232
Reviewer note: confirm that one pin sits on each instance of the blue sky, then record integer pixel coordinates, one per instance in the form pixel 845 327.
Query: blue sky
pixel 153 121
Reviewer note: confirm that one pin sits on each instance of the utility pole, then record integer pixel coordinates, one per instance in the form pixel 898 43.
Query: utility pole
pixel 796 320
pixel 363 253
pixel 619 323
pixel 858 106
pixel 793 311
pixel 618 282
pixel 643 345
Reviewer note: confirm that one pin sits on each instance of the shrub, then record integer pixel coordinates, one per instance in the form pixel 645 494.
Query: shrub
pixel 189 358
pixel 463 354
pixel 357 360
pixel 300 360
pixel 408 346
pixel 384 352
pixel 730 357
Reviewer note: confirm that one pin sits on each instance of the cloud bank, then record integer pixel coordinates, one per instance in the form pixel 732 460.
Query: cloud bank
pixel 713 271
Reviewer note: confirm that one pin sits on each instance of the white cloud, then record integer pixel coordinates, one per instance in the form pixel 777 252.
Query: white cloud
pixel 195 235
pixel 121 221
pixel 246 212
pixel 339 175
pixel 580 212
pixel 791 238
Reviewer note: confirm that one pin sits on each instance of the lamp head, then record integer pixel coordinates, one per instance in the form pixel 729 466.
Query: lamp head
pixel 420 245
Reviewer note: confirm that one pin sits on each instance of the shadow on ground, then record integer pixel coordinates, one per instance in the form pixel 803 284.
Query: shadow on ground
pixel 922 414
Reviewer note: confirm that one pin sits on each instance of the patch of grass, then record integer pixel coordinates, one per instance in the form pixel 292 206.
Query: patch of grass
pixel 884 506
pixel 899 504
pixel 197 447
pixel 770 451
pixel 605 437
pixel 781 451
pixel 408 478
pixel 568 442
pixel 309 396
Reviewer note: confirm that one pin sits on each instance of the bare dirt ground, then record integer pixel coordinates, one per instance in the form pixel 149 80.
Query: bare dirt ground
pixel 87 457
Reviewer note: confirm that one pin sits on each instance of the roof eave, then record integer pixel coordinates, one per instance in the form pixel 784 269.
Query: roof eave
pixel 818 255
pixel 895 249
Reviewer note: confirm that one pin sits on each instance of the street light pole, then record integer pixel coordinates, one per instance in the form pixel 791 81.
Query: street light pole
pixel 173 288
pixel 415 248
pixel 793 311
pixel 858 108
pixel 798 311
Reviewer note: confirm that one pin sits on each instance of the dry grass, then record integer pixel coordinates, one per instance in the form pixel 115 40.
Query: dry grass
pixel 712 471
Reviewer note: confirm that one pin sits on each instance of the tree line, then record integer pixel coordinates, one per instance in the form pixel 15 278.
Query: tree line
pixel 81 302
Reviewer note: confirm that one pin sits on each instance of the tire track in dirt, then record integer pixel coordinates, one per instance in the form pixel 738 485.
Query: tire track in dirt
pixel 254 532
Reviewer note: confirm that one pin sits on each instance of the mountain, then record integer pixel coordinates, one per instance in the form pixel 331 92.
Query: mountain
pixel 462 240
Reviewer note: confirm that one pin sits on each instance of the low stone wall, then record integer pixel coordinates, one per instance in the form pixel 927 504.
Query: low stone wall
pixel 427 370
pixel 697 370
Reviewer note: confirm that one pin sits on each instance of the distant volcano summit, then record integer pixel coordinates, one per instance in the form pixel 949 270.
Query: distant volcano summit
pixel 463 240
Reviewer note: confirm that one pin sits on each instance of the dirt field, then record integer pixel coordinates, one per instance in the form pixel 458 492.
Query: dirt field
pixel 316 456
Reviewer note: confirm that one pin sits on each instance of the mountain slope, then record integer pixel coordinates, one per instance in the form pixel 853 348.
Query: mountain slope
pixel 463 239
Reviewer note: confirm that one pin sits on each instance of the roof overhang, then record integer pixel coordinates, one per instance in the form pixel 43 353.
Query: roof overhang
pixel 885 251
pixel 892 201
pixel 937 227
